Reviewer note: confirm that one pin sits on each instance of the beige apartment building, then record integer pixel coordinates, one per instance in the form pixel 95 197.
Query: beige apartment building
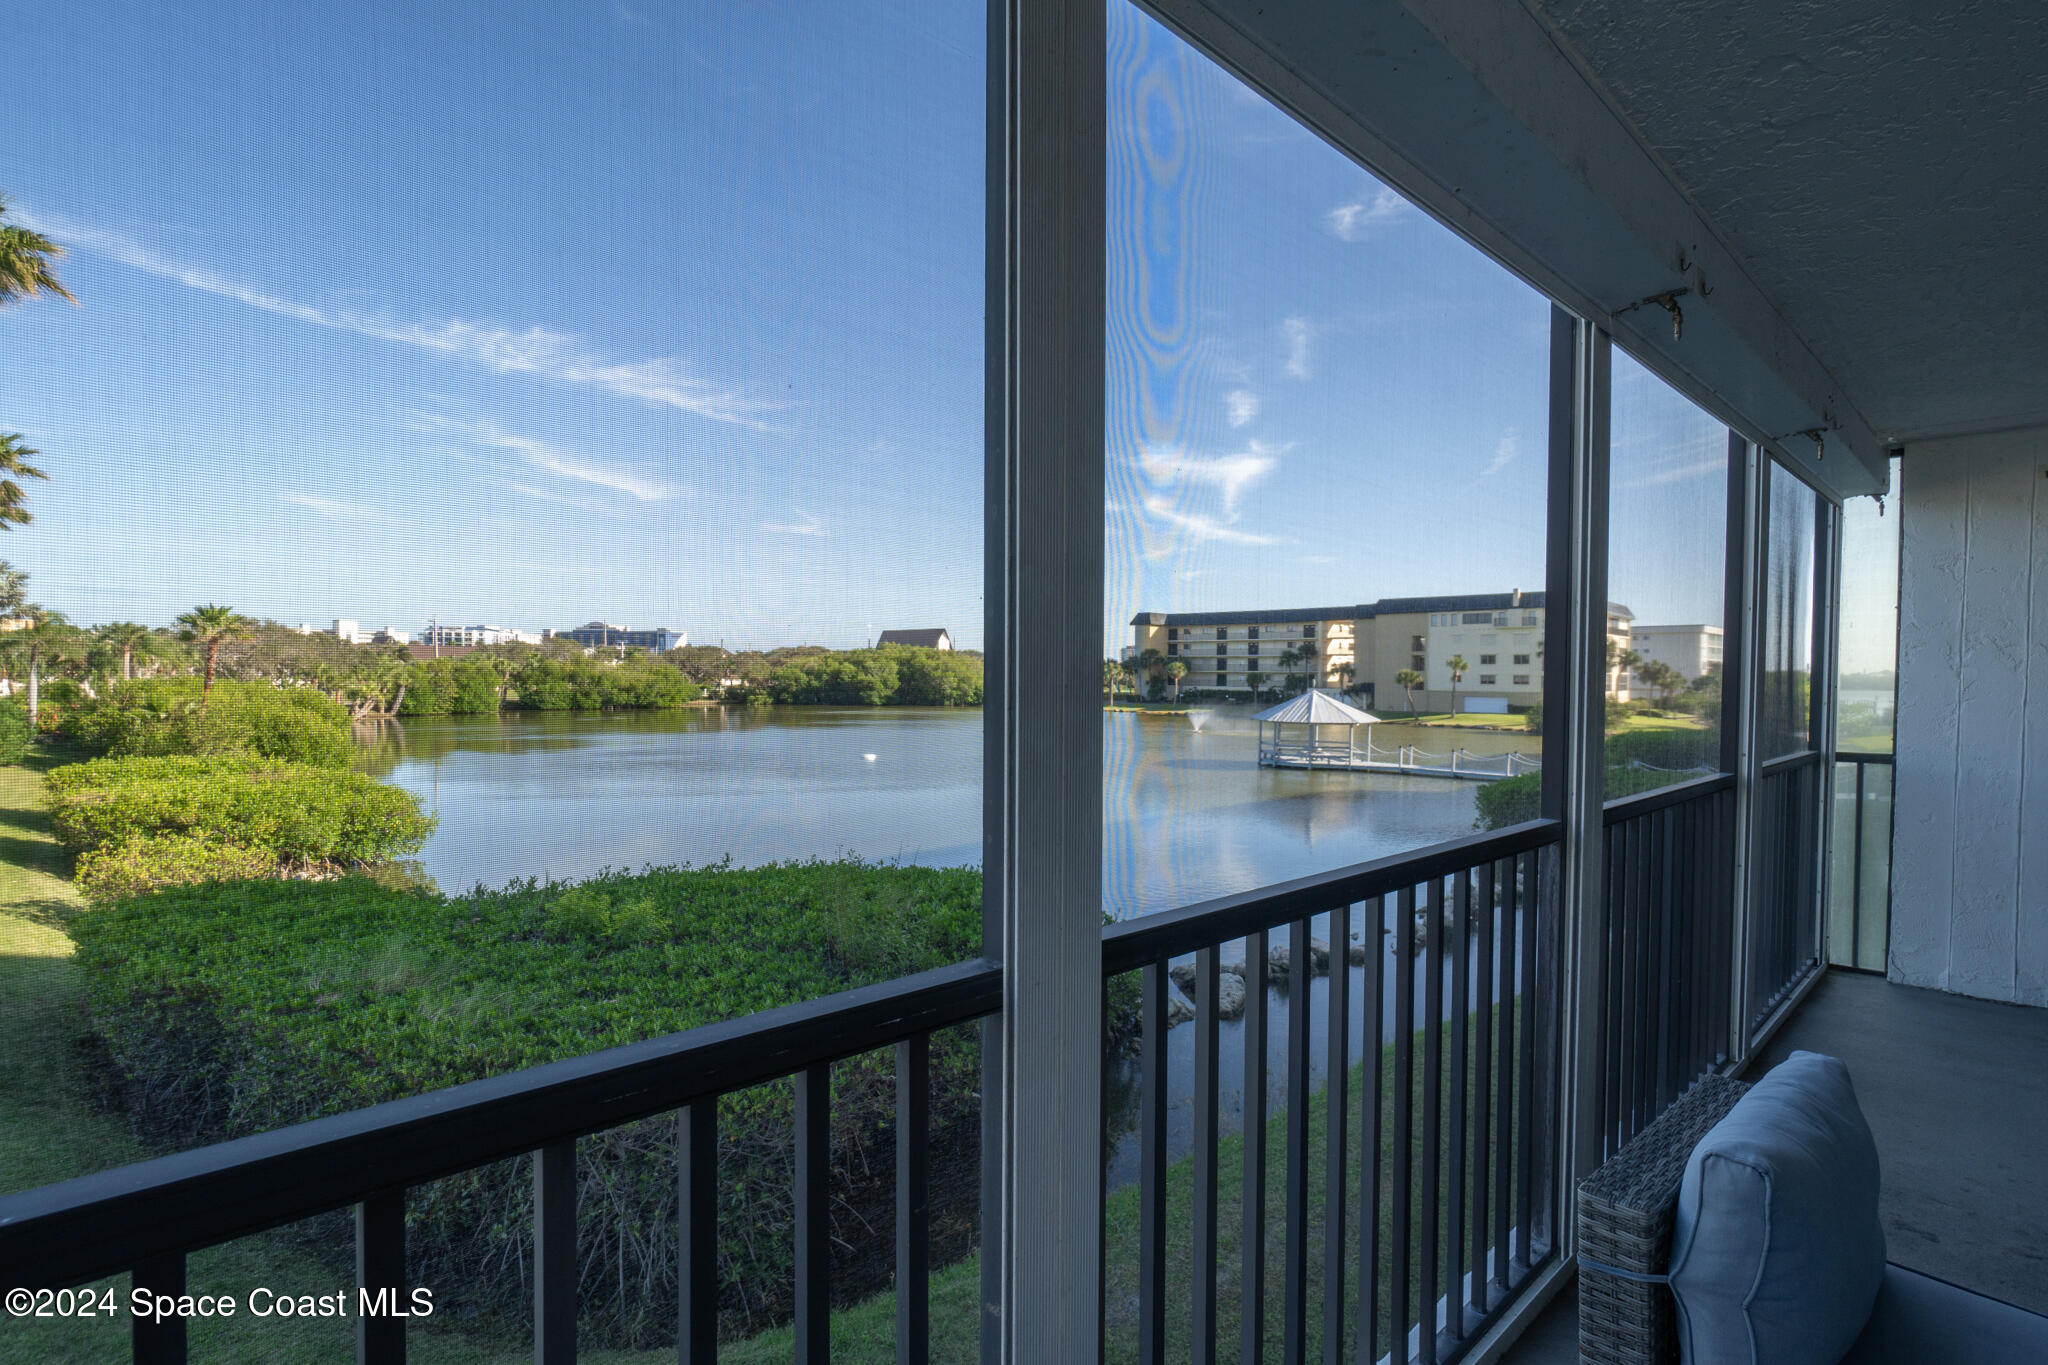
pixel 1365 647
pixel 1694 650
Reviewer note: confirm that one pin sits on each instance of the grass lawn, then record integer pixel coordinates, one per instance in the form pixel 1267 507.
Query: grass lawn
pixel 1512 723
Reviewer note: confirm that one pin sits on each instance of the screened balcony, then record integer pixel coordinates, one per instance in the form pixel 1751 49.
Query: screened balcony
pixel 1331 1101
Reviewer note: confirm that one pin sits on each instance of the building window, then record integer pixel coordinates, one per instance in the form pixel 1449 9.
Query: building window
pixel 1416 662
pixel 1171 649
pixel 1521 679
pixel 1500 618
pixel 1222 680
pixel 1521 658
pixel 1251 633
pixel 1222 633
pixel 1173 632
pixel 1528 618
pixel 1308 632
pixel 1488 658
pixel 1478 618
pixel 1486 679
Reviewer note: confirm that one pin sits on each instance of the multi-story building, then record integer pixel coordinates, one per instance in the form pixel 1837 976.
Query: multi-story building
pixel 471 636
pixel 937 638
pixel 1695 651
pixel 352 633
pixel 605 635
pixel 1366 647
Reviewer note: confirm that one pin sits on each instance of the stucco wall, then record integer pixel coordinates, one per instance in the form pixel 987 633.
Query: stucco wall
pixel 1970 850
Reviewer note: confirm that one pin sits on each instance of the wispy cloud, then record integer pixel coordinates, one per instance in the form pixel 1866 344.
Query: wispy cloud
pixel 1352 221
pixel 806 525
pixel 1232 474
pixel 1504 454
pixel 1241 405
pixel 1316 559
pixel 550 459
pixel 334 509
pixel 1198 527
pixel 1298 333
pixel 1679 473
pixel 561 357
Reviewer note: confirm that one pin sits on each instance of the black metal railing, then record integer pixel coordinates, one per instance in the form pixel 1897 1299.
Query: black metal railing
pixel 1859 884
pixel 1784 921
pixel 1446 1168
pixel 146 1218
pixel 1667 974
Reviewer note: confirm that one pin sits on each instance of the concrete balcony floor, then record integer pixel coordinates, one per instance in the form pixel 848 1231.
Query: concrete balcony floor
pixel 1956 1091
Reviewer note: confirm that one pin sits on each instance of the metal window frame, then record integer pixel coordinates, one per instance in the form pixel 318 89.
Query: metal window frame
pixel 1042 856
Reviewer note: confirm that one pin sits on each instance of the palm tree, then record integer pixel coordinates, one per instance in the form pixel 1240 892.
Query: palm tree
pixel 210 627
pixel 1305 655
pixel 13 463
pixel 1456 663
pixel 1345 672
pixel 1175 671
pixel 13 589
pixel 25 257
pixel 47 637
pixel 130 639
pixel 1112 671
pixel 1408 680
pixel 1150 662
pixel 1253 679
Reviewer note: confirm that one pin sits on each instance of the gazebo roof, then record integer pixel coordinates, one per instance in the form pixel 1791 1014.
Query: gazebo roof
pixel 1317 707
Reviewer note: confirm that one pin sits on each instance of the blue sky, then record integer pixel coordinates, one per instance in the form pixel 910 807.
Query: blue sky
pixel 673 315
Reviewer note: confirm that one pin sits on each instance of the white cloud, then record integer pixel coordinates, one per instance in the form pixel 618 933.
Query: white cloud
pixel 1230 473
pixel 1316 559
pixel 1298 332
pixel 332 508
pixel 1242 405
pixel 552 460
pixel 1680 473
pixel 665 381
pixel 1350 222
pixel 1504 453
pixel 806 525
pixel 1198 527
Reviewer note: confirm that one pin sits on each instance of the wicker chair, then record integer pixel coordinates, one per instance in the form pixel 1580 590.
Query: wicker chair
pixel 1625 1211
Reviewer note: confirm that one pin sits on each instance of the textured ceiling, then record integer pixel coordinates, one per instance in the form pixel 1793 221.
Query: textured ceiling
pixel 1881 169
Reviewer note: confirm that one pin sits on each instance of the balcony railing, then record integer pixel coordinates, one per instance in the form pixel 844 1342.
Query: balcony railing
pixel 1859 884
pixel 1668 917
pixel 144 1219
pixel 1449 1165
pixel 1784 942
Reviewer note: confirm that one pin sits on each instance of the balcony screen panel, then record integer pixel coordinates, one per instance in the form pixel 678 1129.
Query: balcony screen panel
pixel 1867 687
pixel 1326 414
pixel 1784 690
pixel 601 388
pixel 1666 565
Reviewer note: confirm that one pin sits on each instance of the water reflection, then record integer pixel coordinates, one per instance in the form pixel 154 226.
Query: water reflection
pixel 1188 814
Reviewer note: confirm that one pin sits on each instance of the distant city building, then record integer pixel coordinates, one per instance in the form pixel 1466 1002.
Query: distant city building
pixel 352 633
pixel 473 636
pixel 917 639
pixel 1367 646
pixel 605 635
pixel 1695 651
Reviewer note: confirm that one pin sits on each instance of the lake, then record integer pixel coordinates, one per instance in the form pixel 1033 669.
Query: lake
pixel 1187 812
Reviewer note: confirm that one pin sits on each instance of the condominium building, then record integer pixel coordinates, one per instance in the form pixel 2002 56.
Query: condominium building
pixel 1695 651
pixel 477 635
pixel 1367 646
pixel 605 635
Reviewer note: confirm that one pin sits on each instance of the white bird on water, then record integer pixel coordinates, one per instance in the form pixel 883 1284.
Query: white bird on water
pixel 869 757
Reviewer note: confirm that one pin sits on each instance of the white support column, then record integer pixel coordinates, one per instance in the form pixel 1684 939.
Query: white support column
pixel 1043 860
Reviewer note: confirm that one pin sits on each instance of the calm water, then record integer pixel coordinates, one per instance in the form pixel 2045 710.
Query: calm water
pixel 1188 813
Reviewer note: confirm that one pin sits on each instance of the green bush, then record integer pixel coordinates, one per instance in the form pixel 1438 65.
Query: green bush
pixel 169 716
pixel 14 732
pixel 300 815
pixel 450 687
pixel 239 1007
pixel 891 676
pixel 134 866
pixel 589 685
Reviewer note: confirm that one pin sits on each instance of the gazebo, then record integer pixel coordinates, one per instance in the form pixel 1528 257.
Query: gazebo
pixel 1317 729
